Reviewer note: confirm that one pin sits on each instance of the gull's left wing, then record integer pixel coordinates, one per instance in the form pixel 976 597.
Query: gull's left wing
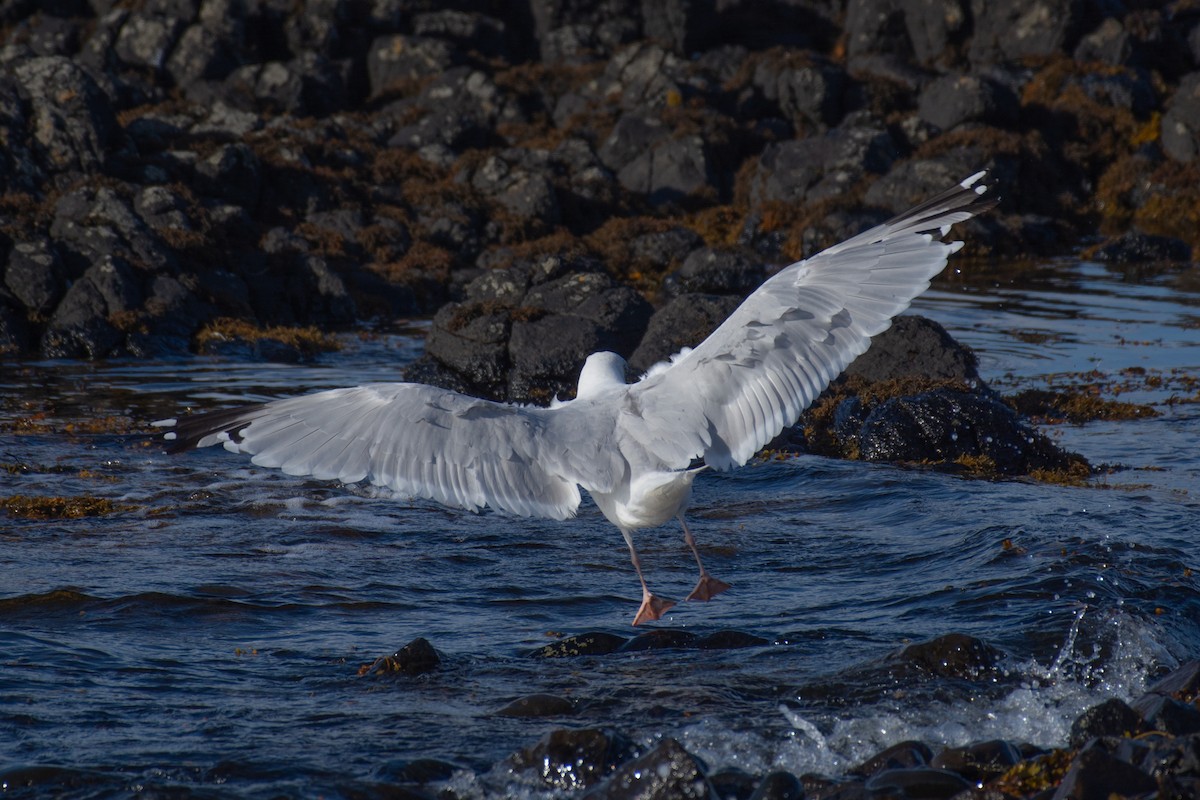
pixel 783 345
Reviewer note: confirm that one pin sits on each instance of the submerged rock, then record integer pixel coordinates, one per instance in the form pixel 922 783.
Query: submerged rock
pixel 416 658
pixel 584 644
pixel 668 772
pixel 954 655
pixel 575 759
pixel 538 705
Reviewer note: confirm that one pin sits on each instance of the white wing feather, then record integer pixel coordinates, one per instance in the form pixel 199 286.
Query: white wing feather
pixel 422 441
pixel 783 345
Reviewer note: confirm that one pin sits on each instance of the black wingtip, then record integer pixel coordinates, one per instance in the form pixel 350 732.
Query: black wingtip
pixel 186 432
pixel 973 196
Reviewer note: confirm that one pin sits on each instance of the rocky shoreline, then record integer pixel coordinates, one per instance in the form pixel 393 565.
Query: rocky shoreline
pixel 549 179
pixel 1147 748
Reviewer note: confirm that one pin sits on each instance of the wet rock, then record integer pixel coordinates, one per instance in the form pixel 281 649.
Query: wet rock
pixel 1011 31
pixel 14 331
pixel 416 658
pixel 779 785
pixel 1162 713
pixel 660 639
pixel 712 271
pixel 538 705
pixel 672 171
pixel 822 167
pixel 1113 717
pixel 946 425
pixel 902 755
pixel 936 29
pixel 915 346
pixel 923 782
pixel 876 26
pixel 232 172
pixel 1174 762
pixel 91 225
pixel 1134 247
pixel 34 275
pixel 683 322
pixel 806 91
pixel 309 85
pixel 668 772
pixel 728 640
pixel 1096 775
pixel 471 339
pixel 1181 123
pixel 419 771
pixel 575 759
pixel 907 181
pixel 201 54
pixel 585 644
pixel 523 191
pixel 978 763
pixel 394 60
pixel 1183 682
pixel 82 325
pixel 146 40
pixel 584 314
pixel 732 783
pixel 686 26
pixel 954 100
pixel 955 655
pixel 72 123
pixel 466 30
pixel 1109 42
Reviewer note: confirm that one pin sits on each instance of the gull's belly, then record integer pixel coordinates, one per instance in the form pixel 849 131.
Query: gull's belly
pixel 654 499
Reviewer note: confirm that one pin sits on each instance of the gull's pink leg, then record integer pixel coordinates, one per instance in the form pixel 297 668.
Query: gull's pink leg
pixel 652 606
pixel 707 587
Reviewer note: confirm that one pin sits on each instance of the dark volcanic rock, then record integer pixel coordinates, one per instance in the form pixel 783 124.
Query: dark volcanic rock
pixel 923 782
pixel 415 658
pixel 779 785
pixel 72 123
pixel 1162 713
pixel 711 271
pixel 902 755
pixel 668 772
pixel 575 759
pixel 683 322
pixel 82 325
pixel 1113 717
pixel 1096 774
pixel 35 275
pixel 585 644
pixel 538 705
pixel 1181 123
pixel 954 100
pixel 1133 247
pixel 1014 30
pixel 953 655
pixel 663 638
pixel 915 346
pixel 943 425
pixel 978 763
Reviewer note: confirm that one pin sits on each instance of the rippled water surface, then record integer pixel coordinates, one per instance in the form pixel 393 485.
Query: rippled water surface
pixel 207 636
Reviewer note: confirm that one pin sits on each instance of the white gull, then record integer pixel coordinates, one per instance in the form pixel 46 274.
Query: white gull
pixel 633 447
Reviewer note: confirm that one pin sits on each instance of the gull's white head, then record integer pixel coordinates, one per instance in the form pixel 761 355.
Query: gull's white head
pixel 601 371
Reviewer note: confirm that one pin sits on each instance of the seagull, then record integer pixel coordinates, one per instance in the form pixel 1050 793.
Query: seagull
pixel 636 448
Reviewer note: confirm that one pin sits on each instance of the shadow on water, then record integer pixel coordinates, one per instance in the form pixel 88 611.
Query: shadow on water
pixel 205 634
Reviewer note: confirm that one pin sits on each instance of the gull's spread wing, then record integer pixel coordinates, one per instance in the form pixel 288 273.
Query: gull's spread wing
pixel 782 346
pixel 421 441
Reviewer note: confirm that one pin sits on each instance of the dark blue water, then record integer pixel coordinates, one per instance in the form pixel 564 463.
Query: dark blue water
pixel 208 638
